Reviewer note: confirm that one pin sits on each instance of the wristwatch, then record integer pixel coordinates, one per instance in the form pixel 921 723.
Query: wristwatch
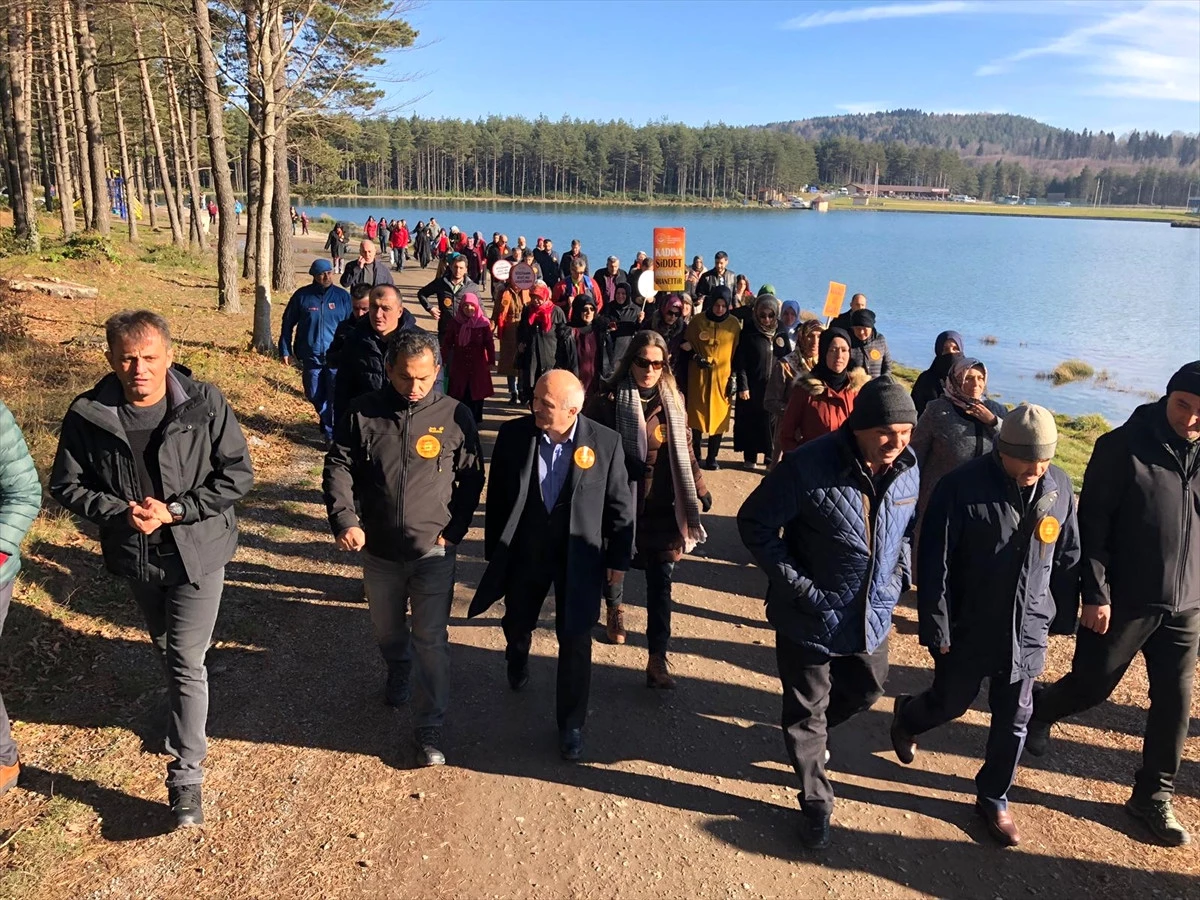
pixel 175 508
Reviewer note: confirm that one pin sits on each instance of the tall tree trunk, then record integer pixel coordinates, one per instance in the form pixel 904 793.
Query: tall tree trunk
pixel 151 113
pixel 70 61
pixel 146 189
pixel 16 126
pixel 180 149
pixel 228 298
pixel 101 219
pixel 263 83
pixel 281 208
pixel 123 142
pixel 52 86
pixel 253 155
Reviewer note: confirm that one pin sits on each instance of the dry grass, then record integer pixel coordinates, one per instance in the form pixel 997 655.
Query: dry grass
pixel 1067 371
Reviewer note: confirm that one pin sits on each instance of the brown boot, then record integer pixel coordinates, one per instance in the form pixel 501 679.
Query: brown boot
pixel 657 675
pixel 8 777
pixel 616 625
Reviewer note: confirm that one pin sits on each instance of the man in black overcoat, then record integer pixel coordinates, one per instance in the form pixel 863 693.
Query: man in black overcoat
pixel 559 512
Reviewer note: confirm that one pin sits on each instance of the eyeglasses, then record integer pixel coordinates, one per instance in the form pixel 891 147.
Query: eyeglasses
pixel 767 316
pixel 642 363
pixel 670 312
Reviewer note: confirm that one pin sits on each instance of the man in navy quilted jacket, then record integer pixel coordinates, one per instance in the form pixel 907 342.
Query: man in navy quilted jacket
pixel 830 527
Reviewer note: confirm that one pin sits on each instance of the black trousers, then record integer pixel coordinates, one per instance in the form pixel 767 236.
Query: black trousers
pixel 658 603
pixel 1168 643
pixel 821 692
pixel 713 448
pixel 524 597
pixel 956 684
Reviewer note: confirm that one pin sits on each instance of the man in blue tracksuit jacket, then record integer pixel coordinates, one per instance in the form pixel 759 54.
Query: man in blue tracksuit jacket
pixel 845 504
pixel 309 322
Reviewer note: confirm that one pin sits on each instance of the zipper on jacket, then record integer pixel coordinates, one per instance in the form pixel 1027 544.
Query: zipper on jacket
pixel 403 466
pixel 1186 537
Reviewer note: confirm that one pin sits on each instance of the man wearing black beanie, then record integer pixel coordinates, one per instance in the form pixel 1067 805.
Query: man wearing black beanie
pixel 1139 522
pixel 845 504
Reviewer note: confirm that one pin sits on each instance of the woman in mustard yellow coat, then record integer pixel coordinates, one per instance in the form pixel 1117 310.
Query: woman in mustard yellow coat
pixel 713 336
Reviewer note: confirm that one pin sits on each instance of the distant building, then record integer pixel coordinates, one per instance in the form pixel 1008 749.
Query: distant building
pixel 767 195
pixel 1194 206
pixel 910 191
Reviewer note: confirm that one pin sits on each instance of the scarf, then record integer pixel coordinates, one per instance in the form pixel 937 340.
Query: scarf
pixel 719 293
pixel 952 385
pixel 835 380
pixel 541 315
pixel 468 323
pixel 772 304
pixel 577 307
pixel 631 425
pixel 790 332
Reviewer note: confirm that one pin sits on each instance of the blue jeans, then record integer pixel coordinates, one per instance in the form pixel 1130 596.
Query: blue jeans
pixel 318 390
pixel 427 585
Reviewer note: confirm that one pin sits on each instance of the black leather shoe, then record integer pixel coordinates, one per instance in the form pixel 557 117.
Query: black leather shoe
pixel 428 740
pixel 399 686
pixel 570 744
pixel 187 805
pixel 902 741
pixel 814 830
pixel 518 671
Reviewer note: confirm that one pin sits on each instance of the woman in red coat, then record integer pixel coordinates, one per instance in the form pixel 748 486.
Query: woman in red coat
pixel 822 399
pixel 469 352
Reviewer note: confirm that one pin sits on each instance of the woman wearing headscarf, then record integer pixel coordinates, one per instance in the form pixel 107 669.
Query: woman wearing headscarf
pixel 787 372
pixel 928 386
pixel 593 343
pixel 752 366
pixel 506 316
pixel 544 341
pixel 623 318
pixel 713 336
pixel 468 352
pixel 823 399
pixel 423 245
pixel 642 404
pixel 788 330
pixel 958 426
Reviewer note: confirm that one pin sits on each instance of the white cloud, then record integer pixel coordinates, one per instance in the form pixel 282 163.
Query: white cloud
pixel 871 13
pixel 868 106
pixel 1147 52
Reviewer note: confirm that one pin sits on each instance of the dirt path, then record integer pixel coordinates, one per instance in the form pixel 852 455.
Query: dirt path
pixel 312 792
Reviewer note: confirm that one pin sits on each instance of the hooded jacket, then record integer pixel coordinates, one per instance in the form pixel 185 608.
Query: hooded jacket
pixel 838 569
pixel 815 409
pixel 204 463
pixel 995 581
pixel 360 368
pixel 1139 518
pixel 20 494
pixel 414 469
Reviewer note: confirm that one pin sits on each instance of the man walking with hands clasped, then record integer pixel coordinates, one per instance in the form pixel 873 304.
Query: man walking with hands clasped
pixel 410 459
pixel 999 566
pixel 1139 521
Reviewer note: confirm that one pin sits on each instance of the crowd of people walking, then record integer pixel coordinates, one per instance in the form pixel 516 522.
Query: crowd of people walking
pixel 868 492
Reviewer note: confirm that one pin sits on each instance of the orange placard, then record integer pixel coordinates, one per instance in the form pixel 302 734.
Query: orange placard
pixel 670 267
pixel 834 298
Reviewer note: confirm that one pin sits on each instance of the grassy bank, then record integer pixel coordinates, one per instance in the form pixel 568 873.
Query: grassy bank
pixel 1113 213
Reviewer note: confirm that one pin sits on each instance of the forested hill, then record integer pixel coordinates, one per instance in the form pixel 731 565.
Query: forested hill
pixel 995 133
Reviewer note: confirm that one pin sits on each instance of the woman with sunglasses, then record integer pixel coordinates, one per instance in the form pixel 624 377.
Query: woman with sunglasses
pixel 713 337
pixel 643 405
pixel 752 364
pixel 593 343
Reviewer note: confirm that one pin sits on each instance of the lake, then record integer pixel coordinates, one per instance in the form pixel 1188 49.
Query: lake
pixel 1046 290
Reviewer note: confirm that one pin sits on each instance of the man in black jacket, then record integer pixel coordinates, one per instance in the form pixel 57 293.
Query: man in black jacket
pixel 441 296
pixel 368 268
pixel 410 459
pixel 157 460
pixel 559 512
pixel 1139 519
pixel 360 356
pixel 999 564
pixel 719 275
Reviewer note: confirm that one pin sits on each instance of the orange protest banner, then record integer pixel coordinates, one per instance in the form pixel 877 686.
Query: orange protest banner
pixel 833 299
pixel 670 269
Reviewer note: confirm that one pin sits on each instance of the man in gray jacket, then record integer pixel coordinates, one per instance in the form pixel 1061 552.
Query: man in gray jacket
pixel 20 500
pixel 157 460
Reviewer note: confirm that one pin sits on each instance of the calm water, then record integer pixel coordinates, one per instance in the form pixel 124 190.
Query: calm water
pixel 1125 296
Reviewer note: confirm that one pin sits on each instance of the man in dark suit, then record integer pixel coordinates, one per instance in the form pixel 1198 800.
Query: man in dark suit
pixel 559 512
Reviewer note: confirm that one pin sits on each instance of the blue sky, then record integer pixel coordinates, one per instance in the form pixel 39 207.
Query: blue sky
pixel 1098 64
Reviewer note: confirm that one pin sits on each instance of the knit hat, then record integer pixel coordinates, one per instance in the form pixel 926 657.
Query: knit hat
pixel 1186 379
pixel 767 288
pixel 864 317
pixel 1028 432
pixel 882 401
pixel 320 267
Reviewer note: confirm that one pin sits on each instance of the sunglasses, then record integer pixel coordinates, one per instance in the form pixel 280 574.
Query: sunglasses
pixel 670 312
pixel 642 363
pixel 766 316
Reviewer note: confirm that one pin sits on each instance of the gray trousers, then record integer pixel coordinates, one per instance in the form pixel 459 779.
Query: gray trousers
pixel 8 749
pixel 427 585
pixel 180 618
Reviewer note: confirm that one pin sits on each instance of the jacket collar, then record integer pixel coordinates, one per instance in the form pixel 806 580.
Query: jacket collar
pixel 100 404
